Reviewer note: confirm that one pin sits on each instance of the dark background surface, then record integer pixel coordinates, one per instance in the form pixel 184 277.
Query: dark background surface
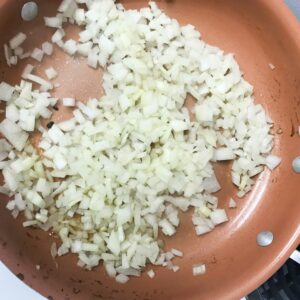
pixel 283 285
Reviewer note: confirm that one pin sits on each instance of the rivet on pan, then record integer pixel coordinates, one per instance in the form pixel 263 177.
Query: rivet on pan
pixel 264 238
pixel 296 164
pixel 29 11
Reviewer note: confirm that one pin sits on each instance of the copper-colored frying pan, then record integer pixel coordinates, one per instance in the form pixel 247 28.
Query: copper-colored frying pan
pixel 259 32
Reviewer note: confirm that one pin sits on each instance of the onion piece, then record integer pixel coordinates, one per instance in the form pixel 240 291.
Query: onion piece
pixel 93 60
pixel 13 60
pixel 202 229
pixel 55 22
pixel 6 91
pixel 79 16
pixel 272 67
pixel 57 36
pixel 17 40
pixel 67 125
pixel 37 54
pixel 84 48
pixel 55 134
pixel 199 269
pixel 10 179
pixel 219 216
pixel 64 6
pixel 30 223
pixel 51 73
pixel 151 274
pixel 122 278
pixel 14 134
pixel 176 252
pixel 47 48
pixel 211 185
pixel 19 51
pixel 7 54
pixel 70 47
pixel 69 102
pixel 273 161
pixel 45 84
pixel 110 269
pixel 175 269
pixel 25 55
pixel 232 203
pixel 223 154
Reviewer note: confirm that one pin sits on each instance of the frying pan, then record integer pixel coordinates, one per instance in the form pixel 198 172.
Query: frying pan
pixel 259 32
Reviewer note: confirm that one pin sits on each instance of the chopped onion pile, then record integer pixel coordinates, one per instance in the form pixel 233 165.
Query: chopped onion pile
pixel 109 179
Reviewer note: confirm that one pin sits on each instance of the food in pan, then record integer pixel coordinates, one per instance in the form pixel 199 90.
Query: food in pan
pixel 115 175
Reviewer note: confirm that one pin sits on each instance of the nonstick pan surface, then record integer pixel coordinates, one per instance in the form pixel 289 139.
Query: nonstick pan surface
pixel 259 32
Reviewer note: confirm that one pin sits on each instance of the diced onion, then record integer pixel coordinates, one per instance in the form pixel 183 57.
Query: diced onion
pixel 25 55
pixel 70 47
pixel 202 229
pixel 17 40
pixel 175 268
pixel 273 161
pixel 27 70
pixel 55 22
pixel 116 175
pixel 219 216
pixel 51 73
pixel 177 252
pixel 122 278
pixel 47 48
pixel 45 84
pixel 13 60
pixel 232 203
pixel 272 67
pixel 18 51
pixel 70 102
pixel 37 54
pixel 7 54
pixel 224 154
pixel 6 91
pixel 14 134
pixel 151 274
pixel 57 36
pixel 199 269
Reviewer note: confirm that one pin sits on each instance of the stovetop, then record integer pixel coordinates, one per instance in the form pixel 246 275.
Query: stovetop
pixel 283 285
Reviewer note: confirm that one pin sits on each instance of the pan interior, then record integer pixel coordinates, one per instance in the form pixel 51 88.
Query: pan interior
pixel 235 264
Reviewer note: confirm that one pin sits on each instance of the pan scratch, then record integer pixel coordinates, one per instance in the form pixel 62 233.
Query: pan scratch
pixel 292 129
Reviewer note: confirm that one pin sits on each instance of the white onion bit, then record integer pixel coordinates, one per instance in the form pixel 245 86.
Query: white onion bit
pixel 17 40
pixel 47 48
pixel 199 269
pixel 51 73
pixel 151 274
pixel 272 67
pixel 70 102
pixel 37 54
pixel 273 161
pixel 232 203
